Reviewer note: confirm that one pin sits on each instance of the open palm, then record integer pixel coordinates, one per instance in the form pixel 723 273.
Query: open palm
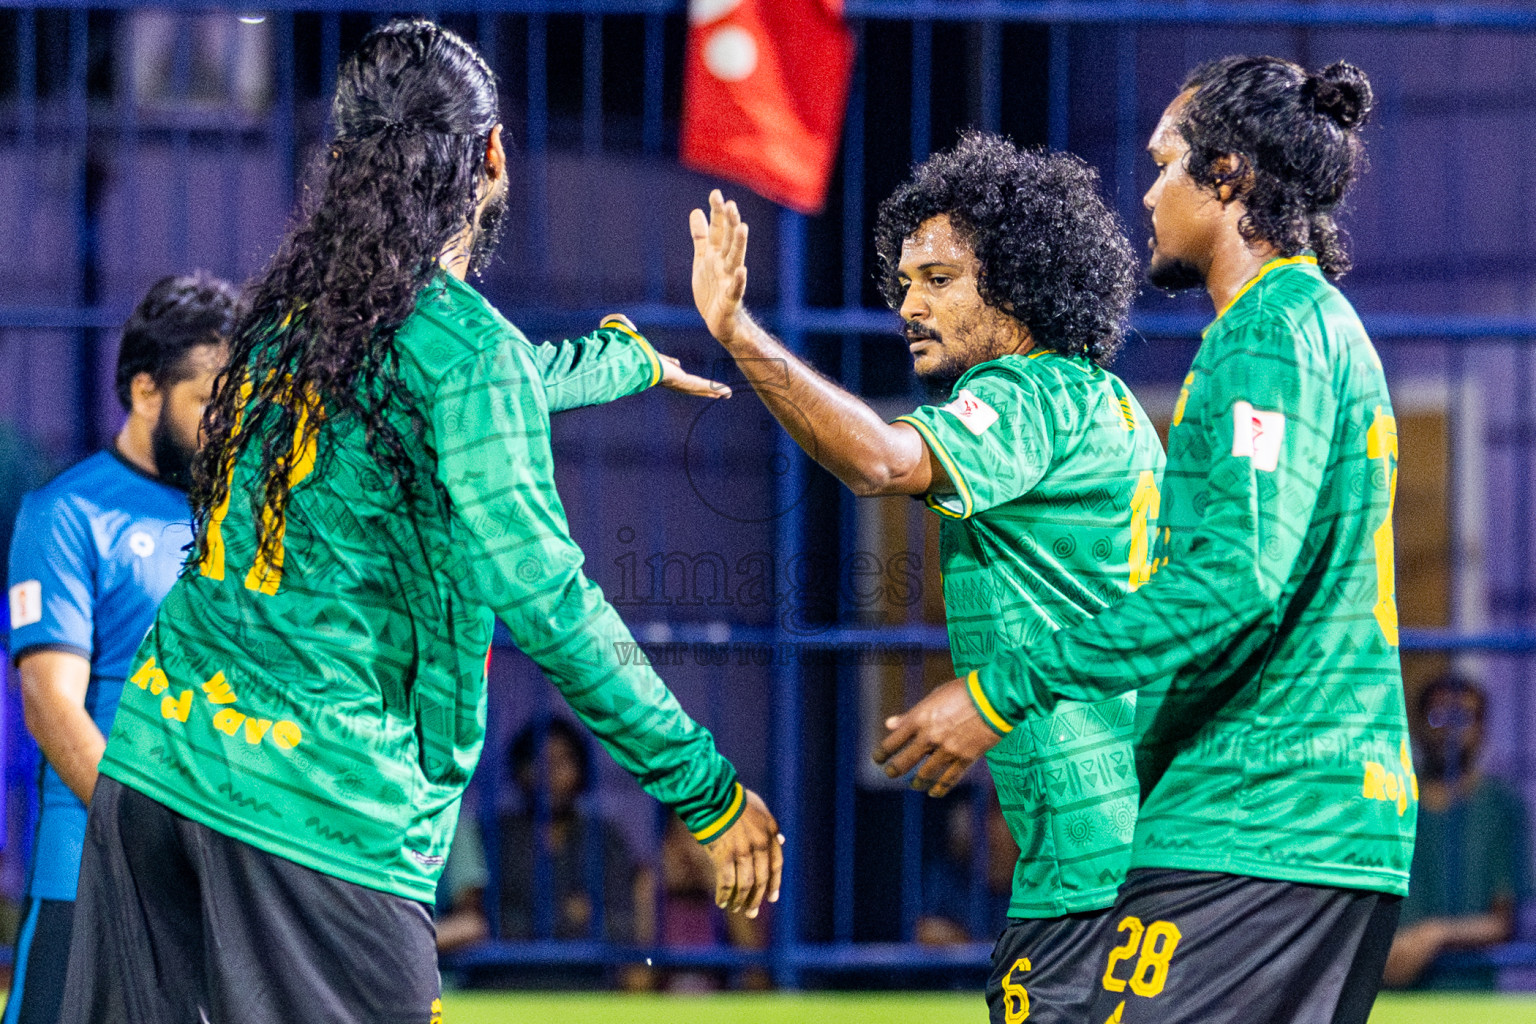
pixel 719 271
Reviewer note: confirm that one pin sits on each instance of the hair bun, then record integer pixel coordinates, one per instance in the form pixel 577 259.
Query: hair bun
pixel 1343 93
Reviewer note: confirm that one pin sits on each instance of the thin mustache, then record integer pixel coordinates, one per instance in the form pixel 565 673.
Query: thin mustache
pixel 912 332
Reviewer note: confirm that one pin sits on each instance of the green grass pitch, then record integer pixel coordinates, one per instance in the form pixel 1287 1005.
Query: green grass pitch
pixel 862 1008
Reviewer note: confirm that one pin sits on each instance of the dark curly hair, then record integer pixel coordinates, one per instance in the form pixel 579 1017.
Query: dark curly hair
pixel 1053 255
pixel 414 108
pixel 1296 139
pixel 176 315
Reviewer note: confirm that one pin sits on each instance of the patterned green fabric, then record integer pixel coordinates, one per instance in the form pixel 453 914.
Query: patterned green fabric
pixel 1055 469
pixel 1272 736
pixel 331 708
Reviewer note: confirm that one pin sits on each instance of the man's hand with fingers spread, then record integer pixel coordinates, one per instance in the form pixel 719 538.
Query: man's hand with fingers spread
pixel 943 727
pixel 749 859
pixel 719 265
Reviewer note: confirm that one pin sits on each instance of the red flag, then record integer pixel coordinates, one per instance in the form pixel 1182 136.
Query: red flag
pixel 764 90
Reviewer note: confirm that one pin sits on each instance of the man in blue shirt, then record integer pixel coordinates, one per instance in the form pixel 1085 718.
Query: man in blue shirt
pixel 93 553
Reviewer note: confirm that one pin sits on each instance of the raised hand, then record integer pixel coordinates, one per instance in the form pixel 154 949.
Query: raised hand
pixel 945 728
pixel 719 270
pixel 748 858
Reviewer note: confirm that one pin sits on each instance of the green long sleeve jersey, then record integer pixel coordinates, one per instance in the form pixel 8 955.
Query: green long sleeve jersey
pixel 1055 469
pixel 1272 734
pixel 328 706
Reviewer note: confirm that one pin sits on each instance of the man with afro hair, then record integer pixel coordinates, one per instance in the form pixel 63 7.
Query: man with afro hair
pixel 1277 817
pixel 1013 279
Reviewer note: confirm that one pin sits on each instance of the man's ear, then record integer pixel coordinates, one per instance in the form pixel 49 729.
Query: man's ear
pixel 1233 177
pixel 145 397
pixel 495 155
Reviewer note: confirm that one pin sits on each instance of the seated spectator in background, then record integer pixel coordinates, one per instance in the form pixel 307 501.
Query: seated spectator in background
pixel 947 898
pixel 585 855
pixel 460 908
pixel 690 919
pixel 1469 866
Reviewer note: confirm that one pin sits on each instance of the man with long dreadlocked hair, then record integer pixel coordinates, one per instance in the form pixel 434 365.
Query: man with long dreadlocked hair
pixel 283 778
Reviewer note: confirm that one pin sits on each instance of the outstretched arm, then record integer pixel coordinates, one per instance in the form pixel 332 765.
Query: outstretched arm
pixel 612 362
pixel 1209 610
pixel 499 475
pixel 835 428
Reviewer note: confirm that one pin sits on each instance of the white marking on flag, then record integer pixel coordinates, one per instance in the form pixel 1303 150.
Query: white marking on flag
pixel 1257 435
pixel 977 415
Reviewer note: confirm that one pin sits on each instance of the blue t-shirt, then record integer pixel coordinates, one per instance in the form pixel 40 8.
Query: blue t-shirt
pixel 94 552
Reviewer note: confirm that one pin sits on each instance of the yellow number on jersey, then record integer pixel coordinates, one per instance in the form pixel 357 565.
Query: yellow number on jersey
pixel 1381 443
pixel 1151 972
pixel 1146 505
pixel 1156 942
pixel 1178 410
pixel 264 576
pixel 1124 951
pixel 212 565
pixel 1015 998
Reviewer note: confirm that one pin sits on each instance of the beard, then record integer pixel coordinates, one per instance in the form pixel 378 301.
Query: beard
pixel 173 457
pixel 1442 763
pixel 944 372
pixel 1173 275
pixel 969 348
pixel 488 228
pixel 942 375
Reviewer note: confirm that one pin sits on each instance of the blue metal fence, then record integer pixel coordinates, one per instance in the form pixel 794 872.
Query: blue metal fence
pixel 135 147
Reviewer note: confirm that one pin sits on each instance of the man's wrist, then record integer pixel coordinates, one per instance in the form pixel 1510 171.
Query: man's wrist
pixel 984 706
pixel 724 819
pixel 746 338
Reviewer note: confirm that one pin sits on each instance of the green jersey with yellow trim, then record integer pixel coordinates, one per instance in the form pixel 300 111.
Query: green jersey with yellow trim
pixel 1055 471
pixel 328 706
pixel 1272 735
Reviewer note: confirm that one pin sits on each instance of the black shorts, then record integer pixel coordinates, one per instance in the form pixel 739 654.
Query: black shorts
pixel 1194 946
pixel 42 952
pixel 176 923
pixel 1047 970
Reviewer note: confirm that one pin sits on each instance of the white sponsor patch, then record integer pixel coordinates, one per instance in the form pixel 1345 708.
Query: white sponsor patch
pixel 26 603
pixel 141 543
pixel 1257 435
pixel 972 411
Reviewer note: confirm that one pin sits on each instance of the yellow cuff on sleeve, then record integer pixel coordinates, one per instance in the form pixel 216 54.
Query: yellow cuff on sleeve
pixel 984 706
pixel 726 820
pixel 620 322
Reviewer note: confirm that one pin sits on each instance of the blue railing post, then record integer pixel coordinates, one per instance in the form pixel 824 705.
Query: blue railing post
pixel 789 538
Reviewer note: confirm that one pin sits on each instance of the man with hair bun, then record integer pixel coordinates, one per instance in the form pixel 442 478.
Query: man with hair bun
pixel 283 779
pixel 1276 825
pixel 1014 280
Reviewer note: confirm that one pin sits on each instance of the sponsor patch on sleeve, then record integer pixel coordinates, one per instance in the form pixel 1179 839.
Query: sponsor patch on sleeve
pixel 977 415
pixel 26 604
pixel 1257 435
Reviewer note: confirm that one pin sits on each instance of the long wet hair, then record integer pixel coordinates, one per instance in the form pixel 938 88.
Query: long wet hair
pixel 414 109
pixel 1296 139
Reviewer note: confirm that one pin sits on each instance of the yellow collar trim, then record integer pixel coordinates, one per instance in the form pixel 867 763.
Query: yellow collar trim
pixel 1283 261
